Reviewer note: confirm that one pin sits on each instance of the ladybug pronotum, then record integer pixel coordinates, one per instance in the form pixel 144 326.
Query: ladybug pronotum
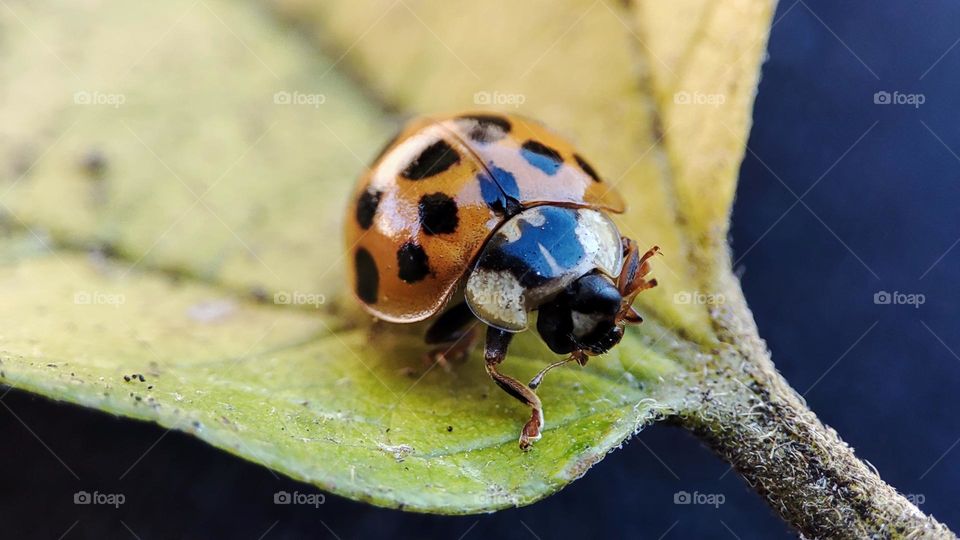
pixel 495 216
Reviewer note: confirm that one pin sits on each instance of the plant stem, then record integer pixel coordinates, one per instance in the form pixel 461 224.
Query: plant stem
pixel 745 410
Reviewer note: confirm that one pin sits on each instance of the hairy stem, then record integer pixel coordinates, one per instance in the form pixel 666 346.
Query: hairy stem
pixel 744 409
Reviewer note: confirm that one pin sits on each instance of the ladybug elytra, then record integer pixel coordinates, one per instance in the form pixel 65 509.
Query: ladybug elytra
pixel 496 216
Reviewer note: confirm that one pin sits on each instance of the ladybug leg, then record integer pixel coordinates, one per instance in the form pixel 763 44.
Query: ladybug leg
pixel 454 351
pixel 538 378
pixel 579 357
pixel 455 332
pixel 635 267
pixel 632 316
pixel 494 353
pixel 450 326
pixel 632 278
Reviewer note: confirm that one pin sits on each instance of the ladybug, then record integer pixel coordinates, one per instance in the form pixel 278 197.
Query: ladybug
pixel 495 216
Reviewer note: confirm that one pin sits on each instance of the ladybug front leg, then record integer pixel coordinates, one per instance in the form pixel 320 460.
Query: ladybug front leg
pixel 579 357
pixel 495 351
pixel 635 267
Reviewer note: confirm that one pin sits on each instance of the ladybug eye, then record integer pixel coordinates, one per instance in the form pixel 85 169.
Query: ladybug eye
pixel 595 294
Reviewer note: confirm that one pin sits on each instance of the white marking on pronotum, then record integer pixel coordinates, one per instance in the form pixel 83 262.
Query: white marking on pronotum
pixel 600 240
pixel 511 229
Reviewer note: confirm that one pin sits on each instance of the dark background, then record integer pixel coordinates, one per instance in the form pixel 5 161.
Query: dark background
pixel 880 214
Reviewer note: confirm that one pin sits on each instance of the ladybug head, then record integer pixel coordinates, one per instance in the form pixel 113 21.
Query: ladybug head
pixel 585 316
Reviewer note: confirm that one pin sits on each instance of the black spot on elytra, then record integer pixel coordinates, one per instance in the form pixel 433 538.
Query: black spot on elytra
pixel 541 156
pixel 433 160
pixel 587 168
pixel 412 261
pixel 438 214
pixel 367 207
pixel 368 278
pixel 485 128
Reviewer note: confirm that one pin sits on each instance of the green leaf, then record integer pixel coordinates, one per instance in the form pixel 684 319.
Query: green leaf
pixel 167 215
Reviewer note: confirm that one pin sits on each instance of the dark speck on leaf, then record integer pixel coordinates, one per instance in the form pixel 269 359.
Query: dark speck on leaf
pixel 126 378
pixel 105 250
pixel 139 376
pixel 259 294
pixel 94 163
pixel 449 429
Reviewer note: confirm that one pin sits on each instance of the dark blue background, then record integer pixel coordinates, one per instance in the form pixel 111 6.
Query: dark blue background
pixel 879 215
